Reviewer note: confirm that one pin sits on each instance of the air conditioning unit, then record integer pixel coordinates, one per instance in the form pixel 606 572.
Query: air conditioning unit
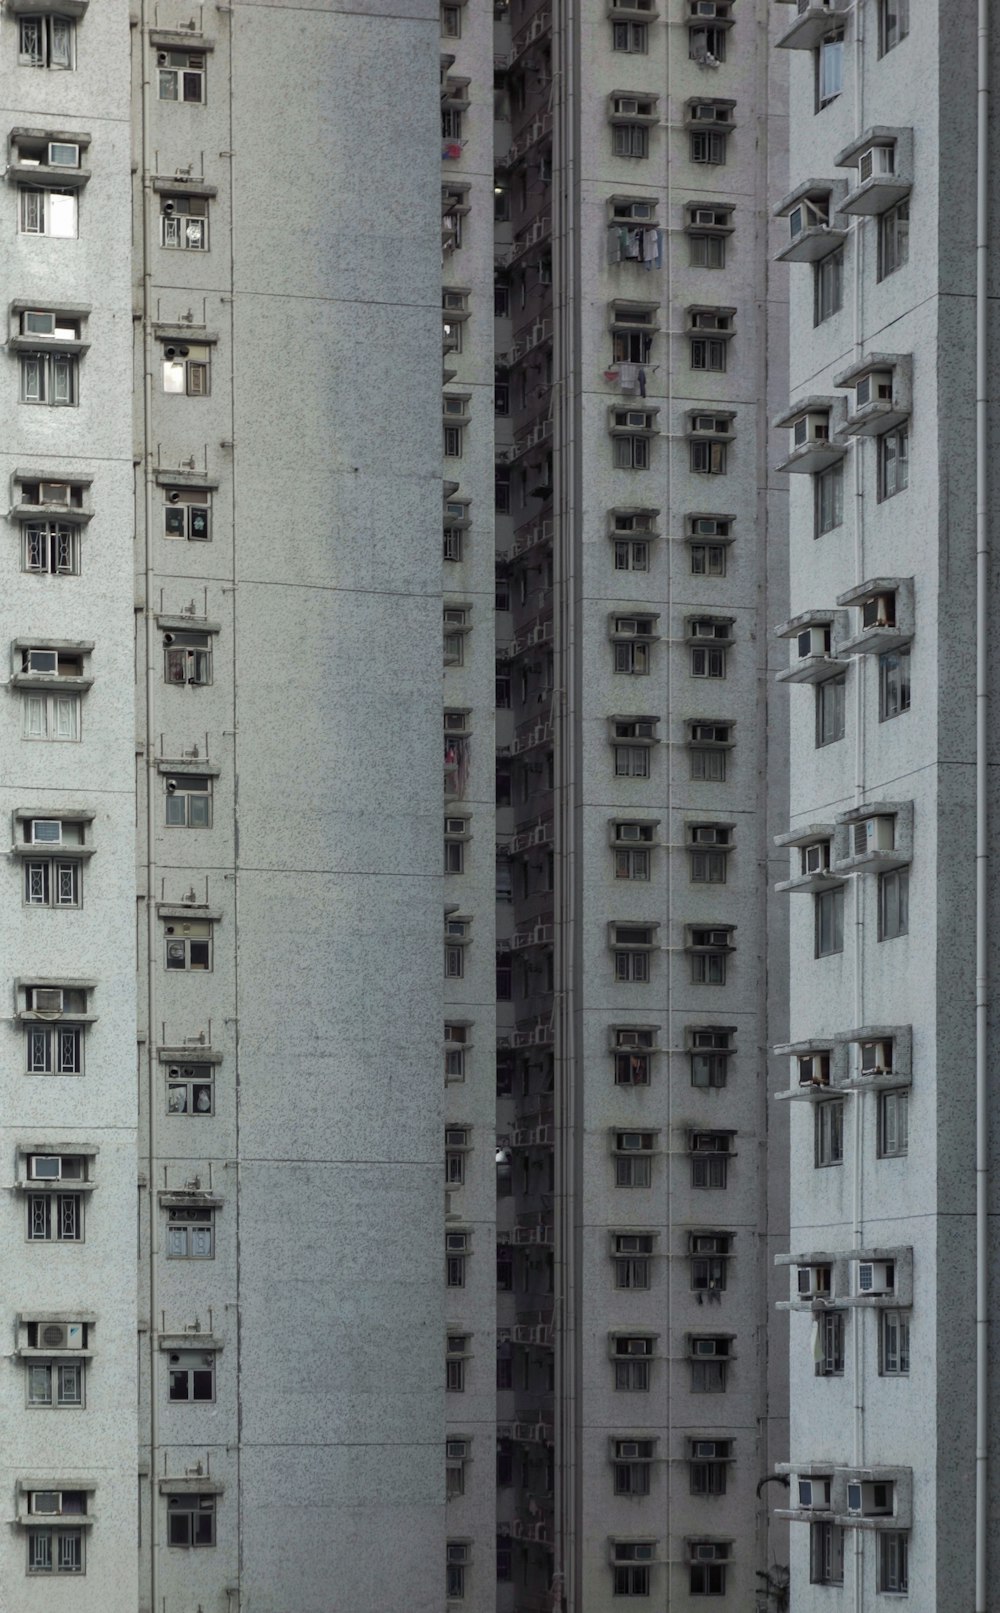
pixel 814 1492
pixel 45 832
pixel 813 1282
pixel 59 1336
pixel 46 1502
pixel 45 662
pixel 456 1450
pixel 813 641
pixel 814 1070
pixel 707 1347
pixel 873 834
pixel 876 1058
pixel 880 611
pixel 812 427
pixel 625 1448
pixel 807 215
pixel 709 8
pixel 45 1168
pixel 640 1347
pixel 53 492
pixel 703 320
pixel 456 1243
pixel 704 629
pixel 876 1277
pixel 455 1137
pixel 629 1243
pixel 709 1551
pixel 705 215
pixel 867 1499
pixel 642 211
pixel 62 154
pixel 708 835
pixel 876 386
pixel 704 1448
pixel 454 300
pixel 816 858
pixel 876 163
pixel 47 999
pixel 706 1243
pixel 708 422
pixel 625 106
pixel 708 526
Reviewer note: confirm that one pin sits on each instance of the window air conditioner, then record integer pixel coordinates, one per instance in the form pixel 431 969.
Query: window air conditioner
pixel 706 1243
pixel 814 1070
pixel 705 1448
pixel 879 611
pixel 703 320
pixel 876 1277
pixel 706 1551
pixel 59 1336
pixel 873 834
pixel 813 1282
pixel 807 215
pixel 45 1168
pixel 706 526
pixel 876 163
pixel 876 386
pixel 706 1347
pixel 813 641
pixel 813 427
pixel 455 1137
pixel 53 493
pixel 708 8
pixel 45 832
pixel 633 1347
pixel 628 1244
pixel 456 1450
pixel 61 154
pixel 625 1448
pixel 642 210
pixel 816 858
pixel 47 1502
pixel 709 835
pixel 876 1058
pixel 704 215
pixel 34 323
pixel 47 999
pixel 625 106
pixel 45 662
pixel 456 1242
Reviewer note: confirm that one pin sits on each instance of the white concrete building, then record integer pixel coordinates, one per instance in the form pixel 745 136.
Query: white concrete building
pixel 880 225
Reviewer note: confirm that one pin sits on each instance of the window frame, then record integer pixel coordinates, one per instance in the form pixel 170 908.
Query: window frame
pixel 43 57
pixel 53 1373
pixel 831 725
pixel 893 1124
pixel 893 239
pixel 893 462
pixel 44 211
pixel 893 904
pixel 828 1133
pixel 197 1508
pixel 893 24
pixel 188 72
pixel 894 1343
pixel 829 68
pixel 828 922
pixel 58 384
pixel 828 286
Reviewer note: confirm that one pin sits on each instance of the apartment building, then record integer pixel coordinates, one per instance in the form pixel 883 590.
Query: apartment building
pixel 880 224
pixel 639 331
pixel 203 776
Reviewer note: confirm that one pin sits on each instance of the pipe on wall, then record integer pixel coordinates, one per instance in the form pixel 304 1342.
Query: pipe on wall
pixel 982 846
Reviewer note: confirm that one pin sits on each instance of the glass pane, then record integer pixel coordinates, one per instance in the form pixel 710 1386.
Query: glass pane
pixel 62 380
pixel 201 1243
pixel 69 1052
pixel 38 1052
pixel 39 1385
pixel 60 43
pixel 176 809
pixel 30 45
pixel 31 212
pixel 173 375
pixel 31 379
pixel 71 1385
pixel 167 85
pixel 177 1243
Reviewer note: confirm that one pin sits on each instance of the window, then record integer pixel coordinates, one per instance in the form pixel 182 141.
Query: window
pixel 829 69
pixel 191 1232
pixel 56 1384
pixel 893 27
pixel 828 913
pixel 456 1142
pixel 501 300
pixel 457 1561
pixel 893 239
pixel 187 658
pixel 707 45
pixel 706 251
pixel 707 1466
pixel 631 1580
pixel 893 683
pixel 708 458
pixel 631 453
pixel 456 1455
pixel 631 556
pixel 46 212
pixel 187 369
pixel 828 286
pixel 708 1271
pixel 708 353
pixel 191 1375
pixel 190 1089
pixel 52 716
pixel 707 1579
pixel 632 1258
pixel 709 950
pixel 894 1344
pixel 828 1133
pixel 830 709
pixel 631 347
pixel 633 1154
pixel 708 145
pixel 708 765
pixel 456 1351
pixel 630 140
pixel 55 1217
pixel 631 656
pixel 632 37
pixel 632 1357
pixel 501 489
pixel 453 442
pixel 710 1153
pixel 54 1049
pixel 451 123
pixel 189 801
pixel 180 75
pixel 893 1561
pixel 893 462
pixel 826 1554
pixel 187 513
pixel 190 1520
pixel 632 945
pixel 705 662
pixel 632 1465
pixel 709 1365
pixel 631 761
pixel 710 1051
pixel 184 223
pixel 632 1049
pixel 456 1253
pixel 50 548
pixel 46 40
pixel 188 944
pixel 51 883
pixel 57 1551
pixel 49 378
pixel 451 22
pixel 504 1560
pixel 830 1346
pixel 893 1124
pixel 893 904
